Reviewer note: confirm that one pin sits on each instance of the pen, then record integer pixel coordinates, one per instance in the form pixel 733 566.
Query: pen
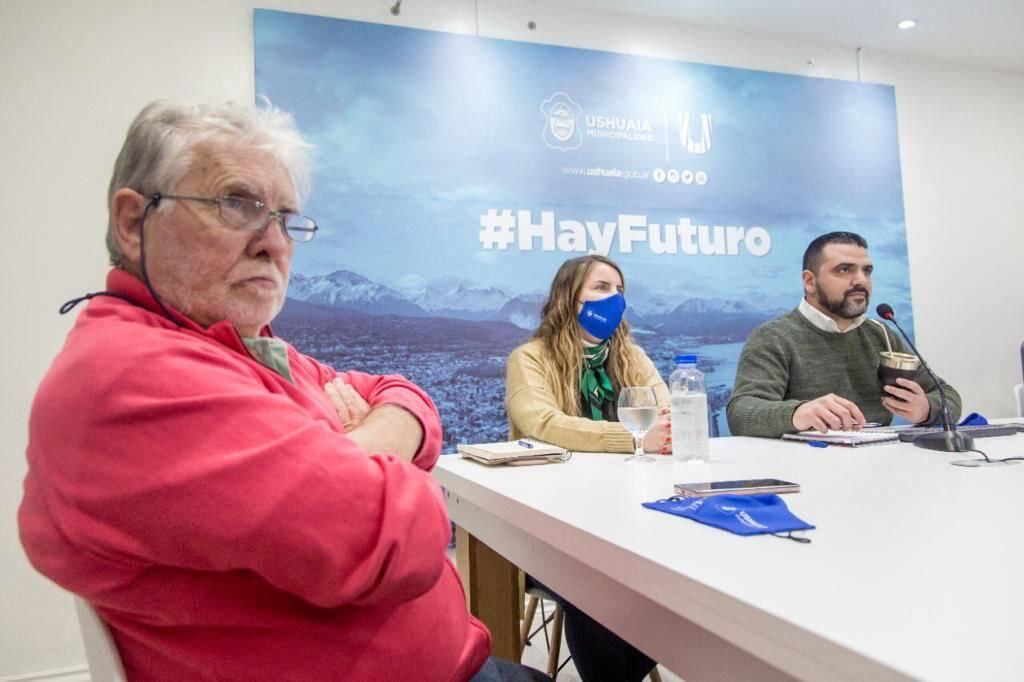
pixel 526 444
pixel 868 425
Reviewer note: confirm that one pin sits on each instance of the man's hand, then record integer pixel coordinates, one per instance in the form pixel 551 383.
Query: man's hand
pixel 658 438
pixel 827 412
pixel 908 400
pixel 352 408
pixel 389 430
pixel 385 429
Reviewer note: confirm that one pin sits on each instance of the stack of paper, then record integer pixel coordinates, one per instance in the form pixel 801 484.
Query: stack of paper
pixel 523 451
pixel 849 438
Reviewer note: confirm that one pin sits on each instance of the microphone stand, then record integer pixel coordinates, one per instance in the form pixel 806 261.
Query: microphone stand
pixel 949 439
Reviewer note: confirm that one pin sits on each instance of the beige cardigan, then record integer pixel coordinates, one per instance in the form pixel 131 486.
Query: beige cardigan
pixel 533 410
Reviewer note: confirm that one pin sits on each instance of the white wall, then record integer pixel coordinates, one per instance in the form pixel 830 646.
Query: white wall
pixel 74 75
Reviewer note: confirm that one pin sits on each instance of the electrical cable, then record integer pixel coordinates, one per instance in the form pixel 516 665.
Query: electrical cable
pixel 1004 459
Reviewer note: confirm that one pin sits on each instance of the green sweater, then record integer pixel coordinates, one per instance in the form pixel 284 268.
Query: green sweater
pixel 789 361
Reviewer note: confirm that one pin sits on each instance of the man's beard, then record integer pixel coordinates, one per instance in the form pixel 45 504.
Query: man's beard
pixel 846 308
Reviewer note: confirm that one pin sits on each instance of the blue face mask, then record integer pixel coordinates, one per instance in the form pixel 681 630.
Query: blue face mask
pixel 601 318
pixel 739 514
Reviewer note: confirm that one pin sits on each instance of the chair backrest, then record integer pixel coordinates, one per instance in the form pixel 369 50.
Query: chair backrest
pixel 1018 392
pixel 100 649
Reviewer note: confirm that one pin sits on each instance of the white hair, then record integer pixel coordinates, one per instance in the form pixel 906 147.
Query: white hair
pixel 163 138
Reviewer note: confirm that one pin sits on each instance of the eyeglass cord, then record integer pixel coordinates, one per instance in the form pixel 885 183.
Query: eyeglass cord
pixel 68 306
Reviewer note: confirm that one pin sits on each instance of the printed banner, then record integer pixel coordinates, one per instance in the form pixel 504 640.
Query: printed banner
pixel 454 174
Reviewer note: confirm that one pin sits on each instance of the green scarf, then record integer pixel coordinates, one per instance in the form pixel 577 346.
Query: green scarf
pixel 595 386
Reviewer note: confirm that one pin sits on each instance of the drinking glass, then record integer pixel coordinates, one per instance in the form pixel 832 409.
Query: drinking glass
pixel 638 410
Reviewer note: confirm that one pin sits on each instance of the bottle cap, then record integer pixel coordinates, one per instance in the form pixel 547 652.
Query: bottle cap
pixel 686 359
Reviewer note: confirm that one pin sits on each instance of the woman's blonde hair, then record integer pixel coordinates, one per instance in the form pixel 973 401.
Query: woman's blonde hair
pixel 559 331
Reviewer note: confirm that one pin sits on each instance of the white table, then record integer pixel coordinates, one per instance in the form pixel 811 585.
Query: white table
pixel 915 569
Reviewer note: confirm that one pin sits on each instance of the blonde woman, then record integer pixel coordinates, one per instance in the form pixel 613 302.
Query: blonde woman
pixel 561 387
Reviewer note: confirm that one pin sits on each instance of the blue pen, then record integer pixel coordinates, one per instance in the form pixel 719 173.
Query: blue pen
pixel 817 443
pixel 526 444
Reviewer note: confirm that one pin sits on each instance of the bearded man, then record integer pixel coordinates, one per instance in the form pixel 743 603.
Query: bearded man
pixel 816 366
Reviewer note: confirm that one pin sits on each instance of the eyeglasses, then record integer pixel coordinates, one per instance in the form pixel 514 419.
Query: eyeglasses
pixel 252 216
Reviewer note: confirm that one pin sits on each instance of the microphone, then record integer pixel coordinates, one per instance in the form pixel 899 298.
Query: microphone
pixel 949 440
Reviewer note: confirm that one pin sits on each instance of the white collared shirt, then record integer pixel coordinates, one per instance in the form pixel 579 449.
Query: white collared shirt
pixel 823 321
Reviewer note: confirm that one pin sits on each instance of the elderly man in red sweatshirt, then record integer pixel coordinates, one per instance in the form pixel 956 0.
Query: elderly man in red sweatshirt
pixel 233 509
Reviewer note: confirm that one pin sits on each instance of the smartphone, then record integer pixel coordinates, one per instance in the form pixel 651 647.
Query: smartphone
pixel 753 486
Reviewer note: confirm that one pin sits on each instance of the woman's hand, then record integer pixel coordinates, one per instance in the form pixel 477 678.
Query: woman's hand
pixel 658 440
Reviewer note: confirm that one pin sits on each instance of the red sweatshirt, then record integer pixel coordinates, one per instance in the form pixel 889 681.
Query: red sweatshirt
pixel 222 523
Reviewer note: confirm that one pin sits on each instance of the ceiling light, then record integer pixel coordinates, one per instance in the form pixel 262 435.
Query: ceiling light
pixel 904 24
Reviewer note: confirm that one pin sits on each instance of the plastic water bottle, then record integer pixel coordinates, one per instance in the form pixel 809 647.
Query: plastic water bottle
pixel 689 411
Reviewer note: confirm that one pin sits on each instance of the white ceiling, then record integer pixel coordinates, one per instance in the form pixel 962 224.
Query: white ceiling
pixel 979 32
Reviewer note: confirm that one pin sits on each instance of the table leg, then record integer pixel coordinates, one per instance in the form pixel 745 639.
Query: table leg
pixel 492 590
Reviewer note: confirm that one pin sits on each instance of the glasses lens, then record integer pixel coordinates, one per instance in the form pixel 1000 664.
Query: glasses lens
pixel 243 213
pixel 300 228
